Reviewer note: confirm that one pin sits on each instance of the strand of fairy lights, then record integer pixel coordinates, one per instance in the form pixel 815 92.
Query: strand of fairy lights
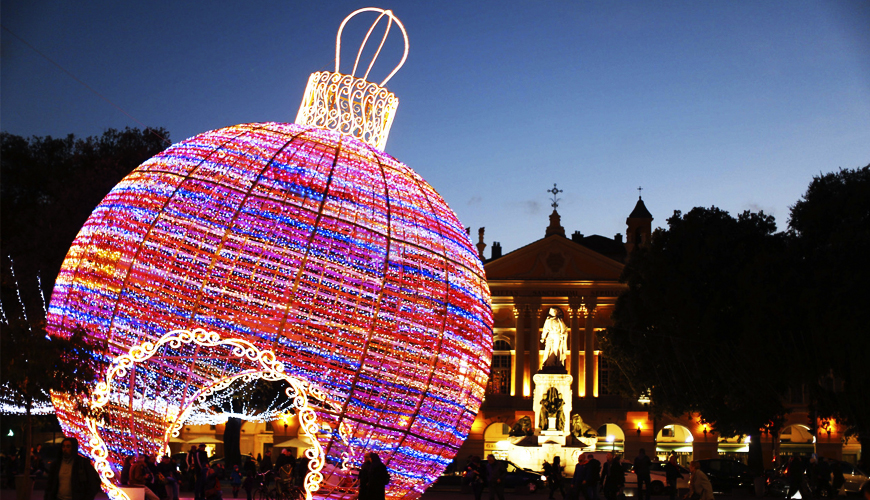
pixel 372 284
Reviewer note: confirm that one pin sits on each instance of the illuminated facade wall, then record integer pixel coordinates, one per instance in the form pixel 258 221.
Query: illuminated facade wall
pixel 330 253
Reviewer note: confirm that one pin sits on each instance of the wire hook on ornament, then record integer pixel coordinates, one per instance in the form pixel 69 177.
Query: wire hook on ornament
pixel 390 19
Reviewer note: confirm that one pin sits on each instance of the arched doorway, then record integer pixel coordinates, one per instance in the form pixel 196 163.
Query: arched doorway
pixel 675 439
pixel 796 438
pixel 495 439
pixel 611 437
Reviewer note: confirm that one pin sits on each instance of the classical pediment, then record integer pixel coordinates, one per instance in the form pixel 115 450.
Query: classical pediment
pixel 554 258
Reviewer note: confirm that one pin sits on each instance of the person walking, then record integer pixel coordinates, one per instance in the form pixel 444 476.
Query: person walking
pixel 838 478
pixel 125 470
pixel 577 487
pixel 72 477
pixel 823 478
pixel 474 477
pixel 641 471
pixel 200 466
pixel 378 479
pixel 672 474
pixel 364 473
pixel 796 474
pixel 190 467
pixel 592 476
pixel 248 485
pixel 615 479
pixel 495 473
pixel 699 484
pixel 211 488
pixel 236 480
pixel 554 477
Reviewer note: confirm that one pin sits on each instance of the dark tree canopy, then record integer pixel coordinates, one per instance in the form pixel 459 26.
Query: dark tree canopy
pixel 703 326
pixel 830 225
pixel 50 187
pixel 32 364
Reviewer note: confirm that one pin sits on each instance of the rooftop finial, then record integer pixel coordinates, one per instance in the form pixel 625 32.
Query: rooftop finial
pixel 555 191
pixel 349 104
pixel 639 189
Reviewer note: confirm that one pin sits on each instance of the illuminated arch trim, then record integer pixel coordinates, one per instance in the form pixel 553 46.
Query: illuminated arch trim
pixel 270 369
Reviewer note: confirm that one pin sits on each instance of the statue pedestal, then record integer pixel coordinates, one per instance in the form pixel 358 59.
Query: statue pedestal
pixel 562 384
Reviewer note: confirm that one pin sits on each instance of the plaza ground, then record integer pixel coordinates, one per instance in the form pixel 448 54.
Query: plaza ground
pixel 433 493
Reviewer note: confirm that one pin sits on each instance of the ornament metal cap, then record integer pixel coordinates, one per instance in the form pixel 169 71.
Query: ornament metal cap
pixel 349 104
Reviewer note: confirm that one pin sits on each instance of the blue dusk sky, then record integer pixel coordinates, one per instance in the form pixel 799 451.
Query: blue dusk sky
pixel 735 104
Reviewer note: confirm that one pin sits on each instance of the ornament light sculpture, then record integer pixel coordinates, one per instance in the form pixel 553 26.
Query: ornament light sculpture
pixel 305 240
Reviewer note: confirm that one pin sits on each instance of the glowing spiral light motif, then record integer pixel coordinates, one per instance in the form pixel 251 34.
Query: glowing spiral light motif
pixel 310 244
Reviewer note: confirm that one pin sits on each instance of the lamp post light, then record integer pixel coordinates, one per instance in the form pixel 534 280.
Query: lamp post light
pixel 612 440
pixel 285 419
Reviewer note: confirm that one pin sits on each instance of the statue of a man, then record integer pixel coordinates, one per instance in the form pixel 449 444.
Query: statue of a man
pixel 555 339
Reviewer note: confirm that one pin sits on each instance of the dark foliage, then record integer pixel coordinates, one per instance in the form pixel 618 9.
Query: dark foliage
pixel 704 326
pixel 830 225
pixel 50 187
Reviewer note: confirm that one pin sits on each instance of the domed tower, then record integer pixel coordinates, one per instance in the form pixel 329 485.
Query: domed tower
pixel 639 229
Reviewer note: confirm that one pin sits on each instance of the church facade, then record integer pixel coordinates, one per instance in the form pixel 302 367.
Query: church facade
pixel 577 279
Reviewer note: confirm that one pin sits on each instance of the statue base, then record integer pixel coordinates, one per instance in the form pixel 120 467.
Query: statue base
pixel 562 383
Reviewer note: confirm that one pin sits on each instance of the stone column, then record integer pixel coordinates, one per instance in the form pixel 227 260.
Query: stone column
pixel 535 341
pixel 519 349
pixel 591 303
pixel 574 307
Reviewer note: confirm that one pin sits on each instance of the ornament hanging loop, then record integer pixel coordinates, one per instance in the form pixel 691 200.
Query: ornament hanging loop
pixel 390 20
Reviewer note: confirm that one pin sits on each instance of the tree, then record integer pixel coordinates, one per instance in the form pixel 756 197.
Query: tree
pixel 704 325
pixel 32 364
pixel 50 187
pixel 830 226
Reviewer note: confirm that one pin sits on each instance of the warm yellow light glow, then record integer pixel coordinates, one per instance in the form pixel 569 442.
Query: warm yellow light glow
pixel 285 418
pixel 611 438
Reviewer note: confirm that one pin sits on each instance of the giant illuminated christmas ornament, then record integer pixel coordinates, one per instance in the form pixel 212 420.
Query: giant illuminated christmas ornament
pixel 296 252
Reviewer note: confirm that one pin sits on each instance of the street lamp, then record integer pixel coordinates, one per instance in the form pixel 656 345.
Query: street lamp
pixel 612 440
pixel 285 419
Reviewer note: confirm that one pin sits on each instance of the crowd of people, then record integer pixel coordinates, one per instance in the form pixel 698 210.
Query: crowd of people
pixel 592 480
pixel 195 472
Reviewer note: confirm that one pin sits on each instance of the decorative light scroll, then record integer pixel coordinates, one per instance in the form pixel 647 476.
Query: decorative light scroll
pixel 349 104
pixel 269 369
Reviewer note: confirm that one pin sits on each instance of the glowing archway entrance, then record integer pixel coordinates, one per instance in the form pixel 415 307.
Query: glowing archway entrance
pixel 675 439
pixel 611 437
pixel 259 364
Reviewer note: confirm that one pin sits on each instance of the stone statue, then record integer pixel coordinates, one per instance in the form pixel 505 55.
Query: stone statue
pixel 555 339
pixel 552 406
pixel 523 427
pixel 580 429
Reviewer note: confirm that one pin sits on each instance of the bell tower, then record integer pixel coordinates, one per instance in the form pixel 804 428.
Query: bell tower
pixel 639 224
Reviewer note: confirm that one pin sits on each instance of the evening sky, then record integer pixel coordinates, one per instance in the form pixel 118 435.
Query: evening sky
pixel 735 104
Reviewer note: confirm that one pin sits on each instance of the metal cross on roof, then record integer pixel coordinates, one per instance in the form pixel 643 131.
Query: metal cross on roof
pixel 639 189
pixel 555 191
